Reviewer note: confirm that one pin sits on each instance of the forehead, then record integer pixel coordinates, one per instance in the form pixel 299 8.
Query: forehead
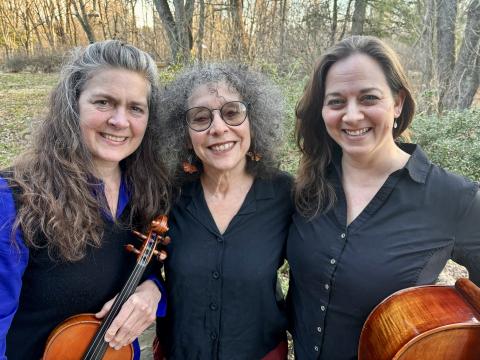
pixel 114 81
pixel 357 69
pixel 213 93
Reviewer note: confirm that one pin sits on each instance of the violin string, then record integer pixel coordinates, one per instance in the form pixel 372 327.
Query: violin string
pixel 98 346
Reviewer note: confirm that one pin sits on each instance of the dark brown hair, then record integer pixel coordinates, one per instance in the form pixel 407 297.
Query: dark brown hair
pixel 313 193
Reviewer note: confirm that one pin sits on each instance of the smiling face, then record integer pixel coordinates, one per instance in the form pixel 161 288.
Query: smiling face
pixel 359 108
pixel 113 114
pixel 221 148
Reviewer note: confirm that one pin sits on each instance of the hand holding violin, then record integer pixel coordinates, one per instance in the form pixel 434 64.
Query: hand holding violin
pixel 135 316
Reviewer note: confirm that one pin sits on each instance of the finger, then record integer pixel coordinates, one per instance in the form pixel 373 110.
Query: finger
pixel 105 309
pixel 138 320
pixel 118 322
pixel 136 323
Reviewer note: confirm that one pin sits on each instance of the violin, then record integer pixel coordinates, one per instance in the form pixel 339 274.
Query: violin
pixel 425 322
pixel 81 337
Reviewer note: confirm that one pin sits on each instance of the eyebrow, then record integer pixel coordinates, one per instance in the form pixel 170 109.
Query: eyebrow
pixel 112 98
pixel 363 91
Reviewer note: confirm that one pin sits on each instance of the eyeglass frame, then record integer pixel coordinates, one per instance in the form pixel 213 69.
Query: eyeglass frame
pixel 220 112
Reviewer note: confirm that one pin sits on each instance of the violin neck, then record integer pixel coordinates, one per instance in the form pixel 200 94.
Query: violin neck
pixel 99 346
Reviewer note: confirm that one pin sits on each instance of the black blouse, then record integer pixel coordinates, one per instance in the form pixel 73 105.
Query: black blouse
pixel 421 217
pixel 222 295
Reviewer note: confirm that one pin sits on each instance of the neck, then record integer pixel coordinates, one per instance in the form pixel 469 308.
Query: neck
pixel 220 183
pixel 390 160
pixel 110 175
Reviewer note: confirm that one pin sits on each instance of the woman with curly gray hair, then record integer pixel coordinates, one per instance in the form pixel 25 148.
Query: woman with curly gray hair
pixel 70 201
pixel 223 124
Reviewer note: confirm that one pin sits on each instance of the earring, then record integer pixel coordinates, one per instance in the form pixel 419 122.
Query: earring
pixel 395 125
pixel 188 166
pixel 254 156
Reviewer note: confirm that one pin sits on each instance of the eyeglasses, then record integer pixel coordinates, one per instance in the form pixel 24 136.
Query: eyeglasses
pixel 200 118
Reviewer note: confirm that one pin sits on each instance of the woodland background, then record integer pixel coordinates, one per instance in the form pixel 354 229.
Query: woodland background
pixel 438 42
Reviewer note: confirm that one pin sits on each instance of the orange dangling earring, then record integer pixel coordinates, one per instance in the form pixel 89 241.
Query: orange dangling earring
pixel 254 156
pixel 188 166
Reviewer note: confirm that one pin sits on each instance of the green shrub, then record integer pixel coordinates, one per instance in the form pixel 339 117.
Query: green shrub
pixel 451 140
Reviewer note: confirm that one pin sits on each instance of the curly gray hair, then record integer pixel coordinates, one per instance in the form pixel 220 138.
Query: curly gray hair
pixel 265 114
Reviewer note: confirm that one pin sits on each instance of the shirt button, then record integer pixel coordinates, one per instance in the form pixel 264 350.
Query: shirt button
pixel 213 306
pixel 319 329
pixel 220 239
pixel 322 308
pixel 213 335
pixel 332 261
pixel 315 348
pixel 326 286
pixel 343 235
pixel 215 274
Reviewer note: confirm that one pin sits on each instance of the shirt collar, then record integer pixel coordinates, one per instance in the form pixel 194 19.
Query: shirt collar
pixel 417 165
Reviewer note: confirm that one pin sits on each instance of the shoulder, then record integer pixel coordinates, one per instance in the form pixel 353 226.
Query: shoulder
pixel 276 186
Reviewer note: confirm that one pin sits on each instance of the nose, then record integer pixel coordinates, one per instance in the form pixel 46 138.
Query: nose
pixel 218 125
pixel 352 112
pixel 119 118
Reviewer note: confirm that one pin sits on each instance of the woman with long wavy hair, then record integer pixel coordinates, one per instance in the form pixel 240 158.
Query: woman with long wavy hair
pixel 69 203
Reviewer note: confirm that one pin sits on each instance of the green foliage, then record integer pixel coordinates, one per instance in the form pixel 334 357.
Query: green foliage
pixel 451 141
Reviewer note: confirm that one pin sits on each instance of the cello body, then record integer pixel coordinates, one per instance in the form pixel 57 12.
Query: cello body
pixel 425 323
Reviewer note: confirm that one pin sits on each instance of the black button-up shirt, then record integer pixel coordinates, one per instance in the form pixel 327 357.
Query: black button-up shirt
pixel 221 288
pixel 421 217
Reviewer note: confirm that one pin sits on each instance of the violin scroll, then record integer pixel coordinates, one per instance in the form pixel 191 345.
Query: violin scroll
pixel 157 228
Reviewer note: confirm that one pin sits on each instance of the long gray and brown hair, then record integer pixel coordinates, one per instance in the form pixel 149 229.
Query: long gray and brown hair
pixel 313 192
pixel 55 175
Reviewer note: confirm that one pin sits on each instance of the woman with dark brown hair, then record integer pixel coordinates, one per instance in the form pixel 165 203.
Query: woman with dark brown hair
pixel 69 203
pixel 374 215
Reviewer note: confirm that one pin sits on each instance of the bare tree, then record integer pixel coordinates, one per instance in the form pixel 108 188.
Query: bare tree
pixel 446 17
pixel 83 17
pixel 466 74
pixel 238 39
pixel 358 18
pixel 178 28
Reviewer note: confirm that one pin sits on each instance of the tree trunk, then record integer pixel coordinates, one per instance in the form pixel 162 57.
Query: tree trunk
pixel 238 40
pixel 201 31
pixel 82 16
pixel 426 44
pixel 446 16
pixel 178 29
pixel 345 21
pixel 333 29
pixel 464 82
pixel 358 18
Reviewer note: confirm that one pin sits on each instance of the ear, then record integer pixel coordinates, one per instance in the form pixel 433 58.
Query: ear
pixel 398 103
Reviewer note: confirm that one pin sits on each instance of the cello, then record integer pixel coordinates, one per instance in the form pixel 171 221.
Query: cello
pixel 82 336
pixel 425 323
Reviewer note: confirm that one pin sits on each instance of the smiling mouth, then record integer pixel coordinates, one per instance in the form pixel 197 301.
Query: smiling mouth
pixel 358 132
pixel 222 147
pixel 113 137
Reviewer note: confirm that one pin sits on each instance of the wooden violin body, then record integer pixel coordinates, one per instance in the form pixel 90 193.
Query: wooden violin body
pixel 70 340
pixel 81 337
pixel 425 323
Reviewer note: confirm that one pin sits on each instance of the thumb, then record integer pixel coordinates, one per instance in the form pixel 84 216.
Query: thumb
pixel 105 309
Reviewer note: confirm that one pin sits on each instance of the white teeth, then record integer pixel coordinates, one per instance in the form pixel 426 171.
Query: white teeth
pixel 114 138
pixel 222 147
pixel 357 132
